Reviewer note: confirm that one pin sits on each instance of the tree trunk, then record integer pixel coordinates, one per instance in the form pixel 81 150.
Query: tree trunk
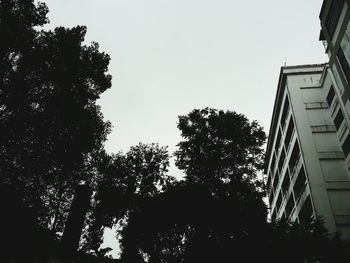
pixel 57 210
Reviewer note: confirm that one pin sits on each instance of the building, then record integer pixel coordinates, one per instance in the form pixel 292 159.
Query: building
pixel 306 163
pixel 335 35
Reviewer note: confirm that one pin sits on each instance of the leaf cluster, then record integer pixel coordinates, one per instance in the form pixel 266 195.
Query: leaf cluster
pixel 50 124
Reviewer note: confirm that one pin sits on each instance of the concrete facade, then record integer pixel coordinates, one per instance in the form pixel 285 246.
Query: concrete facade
pixel 335 35
pixel 306 166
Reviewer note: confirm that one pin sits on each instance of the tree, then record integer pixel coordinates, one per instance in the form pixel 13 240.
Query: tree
pixel 217 214
pixel 49 121
pixel 18 225
pixel 146 167
pixel 127 181
pixel 219 204
pixel 223 152
pixel 309 241
pixel 219 147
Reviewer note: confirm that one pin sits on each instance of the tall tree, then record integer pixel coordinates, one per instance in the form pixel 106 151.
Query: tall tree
pixel 217 207
pixel 219 147
pixel 49 120
pixel 127 182
pixel 217 213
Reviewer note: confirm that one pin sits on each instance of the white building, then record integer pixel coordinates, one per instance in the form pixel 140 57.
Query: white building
pixel 335 34
pixel 308 147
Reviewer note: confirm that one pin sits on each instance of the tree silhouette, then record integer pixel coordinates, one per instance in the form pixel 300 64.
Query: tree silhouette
pixel 49 121
pixel 216 208
pixel 217 214
pixel 306 242
pixel 22 239
pixel 219 147
pixel 127 181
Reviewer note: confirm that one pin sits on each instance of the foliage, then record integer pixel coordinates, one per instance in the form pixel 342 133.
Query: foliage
pixel 188 224
pixel 140 173
pixel 49 121
pixel 310 239
pixel 185 224
pixel 220 147
pixel 126 182
pixel 223 151
pixel 218 205
pixel 217 214
pixel 87 258
pixel 20 231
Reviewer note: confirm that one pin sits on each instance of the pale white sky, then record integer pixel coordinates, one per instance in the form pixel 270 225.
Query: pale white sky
pixel 171 56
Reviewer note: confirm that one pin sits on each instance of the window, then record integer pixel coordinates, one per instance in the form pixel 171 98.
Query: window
pixel 346 146
pixel 268 182
pixel 289 133
pixel 279 201
pixel 330 95
pixel 294 156
pixel 333 16
pixel 285 183
pixel 281 161
pixel 344 64
pixel 289 206
pixel 338 120
pixel 272 167
pixel 271 196
pixel 299 183
pixel 278 140
pixel 285 111
pixel 275 183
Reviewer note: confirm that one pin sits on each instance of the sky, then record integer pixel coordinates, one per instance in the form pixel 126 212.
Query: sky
pixel 169 57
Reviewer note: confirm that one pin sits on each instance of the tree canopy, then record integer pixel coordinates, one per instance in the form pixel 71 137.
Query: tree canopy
pixel 220 149
pixel 50 124
pixel 217 213
pixel 217 205
pixel 126 182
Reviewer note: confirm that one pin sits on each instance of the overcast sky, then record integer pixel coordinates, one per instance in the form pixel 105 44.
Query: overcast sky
pixel 171 56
